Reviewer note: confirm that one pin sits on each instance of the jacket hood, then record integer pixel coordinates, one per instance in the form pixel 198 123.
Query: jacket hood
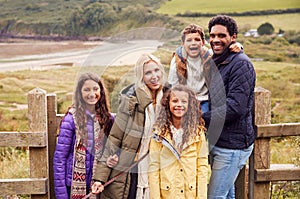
pixel 179 53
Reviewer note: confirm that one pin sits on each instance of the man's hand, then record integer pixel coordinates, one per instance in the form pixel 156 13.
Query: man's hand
pixel 112 161
pixel 97 187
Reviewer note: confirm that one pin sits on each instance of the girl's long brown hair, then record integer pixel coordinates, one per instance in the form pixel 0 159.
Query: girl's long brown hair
pixel 192 121
pixel 102 107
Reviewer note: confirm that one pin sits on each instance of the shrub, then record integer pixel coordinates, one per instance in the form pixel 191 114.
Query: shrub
pixel 295 39
pixel 265 29
pixel 32 7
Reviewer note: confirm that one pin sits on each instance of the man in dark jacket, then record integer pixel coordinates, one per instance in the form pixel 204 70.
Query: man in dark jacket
pixel 229 122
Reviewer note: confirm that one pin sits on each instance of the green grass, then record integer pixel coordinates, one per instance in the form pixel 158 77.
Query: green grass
pixel 283 80
pixel 220 6
pixel 283 21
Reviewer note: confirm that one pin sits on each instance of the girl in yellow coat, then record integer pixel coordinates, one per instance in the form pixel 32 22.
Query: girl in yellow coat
pixel 178 151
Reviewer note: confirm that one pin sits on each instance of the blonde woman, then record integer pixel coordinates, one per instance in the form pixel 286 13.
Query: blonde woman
pixel 131 133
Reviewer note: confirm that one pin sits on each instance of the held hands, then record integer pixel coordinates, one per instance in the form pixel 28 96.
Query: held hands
pixel 112 161
pixel 97 187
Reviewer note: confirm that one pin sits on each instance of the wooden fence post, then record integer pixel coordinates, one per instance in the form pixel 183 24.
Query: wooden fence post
pixel 37 116
pixel 260 158
pixel 241 184
pixel 52 128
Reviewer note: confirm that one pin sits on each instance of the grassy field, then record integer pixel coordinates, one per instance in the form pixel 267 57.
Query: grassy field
pixel 220 6
pixel 282 79
pixel 284 21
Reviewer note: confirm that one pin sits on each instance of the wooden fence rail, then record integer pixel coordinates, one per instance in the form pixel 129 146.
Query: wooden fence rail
pixel 278 174
pixel 260 171
pixel 37 140
pixel 253 181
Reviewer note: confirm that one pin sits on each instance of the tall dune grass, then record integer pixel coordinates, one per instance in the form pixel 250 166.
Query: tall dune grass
pixel 14 163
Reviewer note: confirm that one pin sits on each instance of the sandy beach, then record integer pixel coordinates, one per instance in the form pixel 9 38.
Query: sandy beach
pixel 41 55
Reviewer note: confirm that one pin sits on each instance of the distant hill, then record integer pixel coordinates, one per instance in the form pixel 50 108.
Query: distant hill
pixel 80 18
pixel 77 17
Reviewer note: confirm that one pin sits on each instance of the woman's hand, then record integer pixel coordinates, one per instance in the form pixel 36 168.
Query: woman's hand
pixel 97 187
pixel 112 161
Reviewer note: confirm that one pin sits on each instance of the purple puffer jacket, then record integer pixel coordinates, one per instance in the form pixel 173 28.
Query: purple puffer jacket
pixel 63 156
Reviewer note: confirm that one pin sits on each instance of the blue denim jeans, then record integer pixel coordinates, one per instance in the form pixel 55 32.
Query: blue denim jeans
pixel 226 165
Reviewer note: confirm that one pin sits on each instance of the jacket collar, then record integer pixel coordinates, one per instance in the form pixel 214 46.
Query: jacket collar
pixel 167 141
pixel 229 58
pixel 143 98
pixel 133 98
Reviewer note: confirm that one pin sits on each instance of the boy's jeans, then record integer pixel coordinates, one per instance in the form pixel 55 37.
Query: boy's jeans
pixel 226 165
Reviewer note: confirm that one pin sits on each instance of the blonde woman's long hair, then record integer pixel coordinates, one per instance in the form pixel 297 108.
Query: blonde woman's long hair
pixel 139 69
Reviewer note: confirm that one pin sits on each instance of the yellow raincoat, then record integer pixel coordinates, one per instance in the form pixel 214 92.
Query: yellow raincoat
pixel 174 175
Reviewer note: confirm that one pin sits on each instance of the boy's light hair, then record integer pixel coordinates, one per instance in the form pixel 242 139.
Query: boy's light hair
pixel 192 28
pixel 139 68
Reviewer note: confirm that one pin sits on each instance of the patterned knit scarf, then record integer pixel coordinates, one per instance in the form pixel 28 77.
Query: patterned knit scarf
pixel 78 188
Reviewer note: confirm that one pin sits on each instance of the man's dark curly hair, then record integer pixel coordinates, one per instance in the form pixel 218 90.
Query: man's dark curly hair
pixel 224 20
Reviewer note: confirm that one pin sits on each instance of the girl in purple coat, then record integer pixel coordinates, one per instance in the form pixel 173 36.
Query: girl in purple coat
pixel 83 132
